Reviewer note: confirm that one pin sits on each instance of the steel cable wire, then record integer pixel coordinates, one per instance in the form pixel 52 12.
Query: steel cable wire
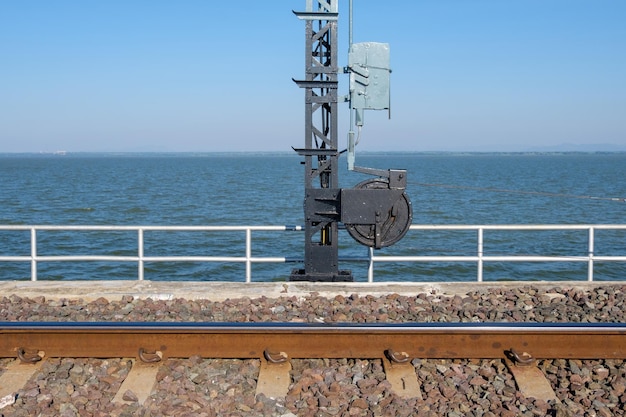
pixel 511 191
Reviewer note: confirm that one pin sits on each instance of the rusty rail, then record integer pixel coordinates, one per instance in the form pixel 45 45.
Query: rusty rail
pixel 250 340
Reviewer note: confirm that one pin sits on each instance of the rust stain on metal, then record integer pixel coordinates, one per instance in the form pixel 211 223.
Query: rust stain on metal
pixel 323 341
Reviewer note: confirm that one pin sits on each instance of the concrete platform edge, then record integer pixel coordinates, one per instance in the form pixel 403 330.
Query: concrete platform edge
pixel 219 291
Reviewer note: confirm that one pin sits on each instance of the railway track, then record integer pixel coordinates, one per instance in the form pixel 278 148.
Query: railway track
pixel 275 345
pixel 251 340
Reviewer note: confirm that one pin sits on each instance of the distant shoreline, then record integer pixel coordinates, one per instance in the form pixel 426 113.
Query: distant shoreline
pixel 58 154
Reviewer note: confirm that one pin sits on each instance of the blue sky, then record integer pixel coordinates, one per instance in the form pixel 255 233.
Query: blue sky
pixel 198 75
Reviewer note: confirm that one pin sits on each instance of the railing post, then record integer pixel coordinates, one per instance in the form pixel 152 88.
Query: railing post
pixel 480 255
pixel 591 250
pixel 249 260
pixel 140 266
pixel 370 265
pixel 33 254
pixel 248 255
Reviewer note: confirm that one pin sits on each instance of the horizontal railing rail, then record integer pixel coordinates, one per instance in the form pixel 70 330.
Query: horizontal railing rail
pixel 141 258
pixel 479 258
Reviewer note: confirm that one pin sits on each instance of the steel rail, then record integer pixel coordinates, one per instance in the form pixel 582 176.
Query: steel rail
pixel 253 340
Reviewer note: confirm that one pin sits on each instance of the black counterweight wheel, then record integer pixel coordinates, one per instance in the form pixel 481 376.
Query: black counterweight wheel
pixel 395 222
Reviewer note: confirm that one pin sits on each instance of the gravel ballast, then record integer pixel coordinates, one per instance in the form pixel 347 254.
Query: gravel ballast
pixel 327 387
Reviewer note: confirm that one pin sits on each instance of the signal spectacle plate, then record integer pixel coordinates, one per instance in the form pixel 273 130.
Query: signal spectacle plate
pixel 395 223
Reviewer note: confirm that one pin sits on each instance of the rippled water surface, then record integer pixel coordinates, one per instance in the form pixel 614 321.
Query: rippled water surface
pixel 246 189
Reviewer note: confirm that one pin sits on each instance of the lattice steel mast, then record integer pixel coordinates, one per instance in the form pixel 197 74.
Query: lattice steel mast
pixel 377 212
pixel 321 155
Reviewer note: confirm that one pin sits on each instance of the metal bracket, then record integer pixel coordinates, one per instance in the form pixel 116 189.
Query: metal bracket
pixel 401 374
pixel 29 356
pixel 521 359
pixel 396 177
pixel 274 378
pixel 316 15
pixel 275 358
pixel 397 357
pixel 531 382
pixel 316 151
pixel 149 357
pixel 323 204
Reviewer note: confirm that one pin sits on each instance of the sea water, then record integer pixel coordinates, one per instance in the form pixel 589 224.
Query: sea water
pixel 268 189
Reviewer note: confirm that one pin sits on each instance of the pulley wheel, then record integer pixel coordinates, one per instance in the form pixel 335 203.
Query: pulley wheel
pixel 395 223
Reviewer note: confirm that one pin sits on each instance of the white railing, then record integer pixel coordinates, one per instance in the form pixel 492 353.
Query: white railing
pixel 479 258
pixel 141 259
